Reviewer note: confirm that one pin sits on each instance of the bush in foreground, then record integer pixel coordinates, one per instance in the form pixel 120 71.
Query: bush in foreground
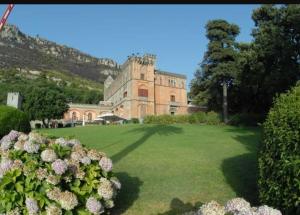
pixel 13 119
pixel 53 177
pixel 236 206
pixel 279 159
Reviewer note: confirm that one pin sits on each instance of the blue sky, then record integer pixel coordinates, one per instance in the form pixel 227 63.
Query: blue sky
pixel 175 33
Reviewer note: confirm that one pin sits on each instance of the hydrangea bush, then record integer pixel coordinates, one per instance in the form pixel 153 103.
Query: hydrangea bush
pixel 236 206
pixel 39 175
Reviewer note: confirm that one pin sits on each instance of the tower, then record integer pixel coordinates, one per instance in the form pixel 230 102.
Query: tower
pixel 14 99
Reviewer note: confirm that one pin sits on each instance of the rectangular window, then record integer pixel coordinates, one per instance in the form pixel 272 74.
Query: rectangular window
pixel 125 94
pixel 172 98
pixel 143 92
pixel 142 76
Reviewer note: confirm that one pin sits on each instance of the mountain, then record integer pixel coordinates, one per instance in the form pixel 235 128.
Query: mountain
pixel 26 53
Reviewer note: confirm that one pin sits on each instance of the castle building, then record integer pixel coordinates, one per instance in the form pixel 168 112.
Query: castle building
pixel 139 90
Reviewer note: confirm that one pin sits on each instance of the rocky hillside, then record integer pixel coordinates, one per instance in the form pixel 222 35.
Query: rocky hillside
pixel 23 52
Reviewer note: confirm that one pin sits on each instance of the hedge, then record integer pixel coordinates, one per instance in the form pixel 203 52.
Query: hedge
pixel 211 118
pixel 13 119
pixel 279 157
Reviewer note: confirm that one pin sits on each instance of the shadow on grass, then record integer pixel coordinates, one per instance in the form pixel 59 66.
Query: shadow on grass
pixel 147 132
pixel 178 207
pixel 128 194
pixel 241 172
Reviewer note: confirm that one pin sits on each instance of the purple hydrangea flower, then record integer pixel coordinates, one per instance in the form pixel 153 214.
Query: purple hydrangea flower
pixel 5 165
pixel 6 143
pixel 31 205
pixel 59 166
pixel 13 135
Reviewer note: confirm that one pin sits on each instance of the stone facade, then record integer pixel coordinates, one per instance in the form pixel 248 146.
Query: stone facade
pixel 89 112
pixel 137 91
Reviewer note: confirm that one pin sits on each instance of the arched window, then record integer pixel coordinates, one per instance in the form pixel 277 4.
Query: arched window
pixel 74 116
pixel 89 116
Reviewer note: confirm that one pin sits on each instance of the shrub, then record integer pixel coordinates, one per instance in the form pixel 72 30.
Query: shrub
pixel 135 120
pixel 279 158
pixel 60 125
pixel 13 119
pixel 211 118
pixel 40 175
pixel 38 125
pixel 246 119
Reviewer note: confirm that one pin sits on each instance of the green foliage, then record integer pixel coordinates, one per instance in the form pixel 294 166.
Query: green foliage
pixel 218 66
pixel 210 118
pixel 261 69
pixel 135 120
pixel 13 119
pixel 55 169
pixel 45 102
pixel 279 160
pixel 78 90
pixel 246 119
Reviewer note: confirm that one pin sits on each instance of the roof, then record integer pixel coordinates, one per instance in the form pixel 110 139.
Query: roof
pixel 75 105
pixel 170 74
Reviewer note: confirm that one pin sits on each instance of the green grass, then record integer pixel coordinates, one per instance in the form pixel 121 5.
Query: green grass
pixel 171 169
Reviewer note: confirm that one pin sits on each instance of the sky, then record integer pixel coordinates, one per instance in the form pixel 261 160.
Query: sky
pixel 174 33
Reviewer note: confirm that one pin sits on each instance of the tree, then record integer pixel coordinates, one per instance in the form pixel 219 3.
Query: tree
pixel 271 64
pixel 218 68
pixel 45 102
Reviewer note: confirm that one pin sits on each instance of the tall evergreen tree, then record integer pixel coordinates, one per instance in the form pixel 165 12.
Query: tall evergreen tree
pixel 218 68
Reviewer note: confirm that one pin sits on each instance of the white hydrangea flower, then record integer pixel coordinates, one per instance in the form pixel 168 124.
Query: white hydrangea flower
pixel 94 206
pixel 211 208
pixel 19 145
pixel 59 166
pixel 106 164
pixel 237 205
pixel 53 210
pixel 76 156
pixel 68 200
pixel 116 183
pixel 23 137
pixel 48 155
pixel 36 138
pixel 61 141
pixel 105 189
pixel 15 211
pixel 109 203
pixel 266 210
pixel 31 147
pixel 86 160
pixel 73 142
pixel 95 155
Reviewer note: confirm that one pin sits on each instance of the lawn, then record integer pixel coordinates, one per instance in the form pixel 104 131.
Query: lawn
pixel 171 169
